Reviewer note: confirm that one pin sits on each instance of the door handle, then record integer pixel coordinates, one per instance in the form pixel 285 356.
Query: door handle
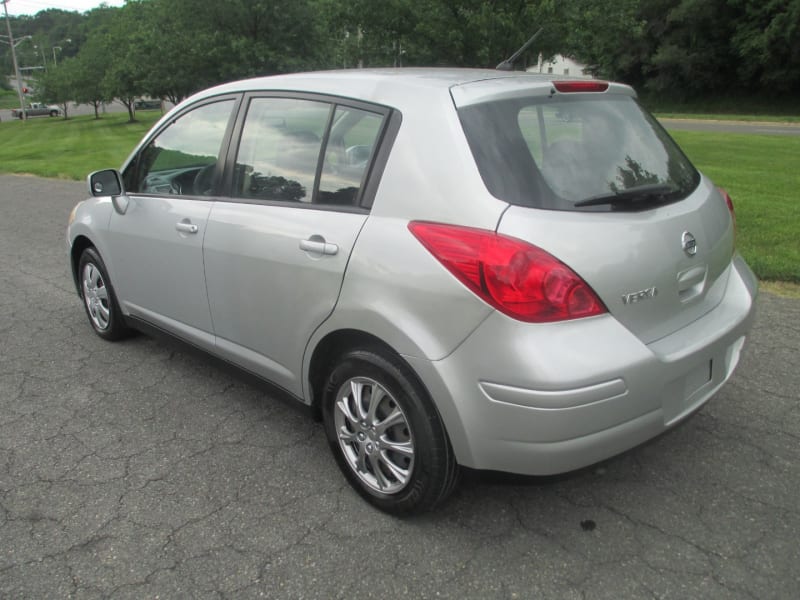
pixel 185 227
pixel 318 245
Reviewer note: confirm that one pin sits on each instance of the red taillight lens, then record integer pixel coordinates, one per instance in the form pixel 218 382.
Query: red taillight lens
pixel 566 87
pixel 517 278
pixel 729 202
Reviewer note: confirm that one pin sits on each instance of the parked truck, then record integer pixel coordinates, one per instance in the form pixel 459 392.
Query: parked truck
pixel 37 109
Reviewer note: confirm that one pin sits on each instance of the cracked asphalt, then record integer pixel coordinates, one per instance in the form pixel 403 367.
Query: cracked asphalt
pixel 136 470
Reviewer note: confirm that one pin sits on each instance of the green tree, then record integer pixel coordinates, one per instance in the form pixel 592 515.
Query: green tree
pixel 611 38
pixel 767 44
pixel 262 37
pixel 56 86
pixel 125 43
pixel 88 72
pixel 177 55
pixel 466 33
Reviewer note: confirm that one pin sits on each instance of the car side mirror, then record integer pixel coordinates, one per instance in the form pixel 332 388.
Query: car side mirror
pixel 108 182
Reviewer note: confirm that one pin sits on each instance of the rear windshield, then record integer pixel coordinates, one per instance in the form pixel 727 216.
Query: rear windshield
pixel 576 153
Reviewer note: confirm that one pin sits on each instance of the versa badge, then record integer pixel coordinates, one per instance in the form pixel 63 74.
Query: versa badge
pixel 635 297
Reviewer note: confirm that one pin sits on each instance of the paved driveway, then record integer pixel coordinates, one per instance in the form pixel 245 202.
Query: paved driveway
pixel 136 470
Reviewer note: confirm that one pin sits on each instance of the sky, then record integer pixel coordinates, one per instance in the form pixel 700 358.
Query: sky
pixel 31 7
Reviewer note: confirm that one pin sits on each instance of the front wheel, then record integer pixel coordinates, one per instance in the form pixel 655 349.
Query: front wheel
pixel 386 435
pixel 98 297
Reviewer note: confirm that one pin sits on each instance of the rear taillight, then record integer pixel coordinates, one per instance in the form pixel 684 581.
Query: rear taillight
pixel 517 278
pixel 566 87
pixel 729 202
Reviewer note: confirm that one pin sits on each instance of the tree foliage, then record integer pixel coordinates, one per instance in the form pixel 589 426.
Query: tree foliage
pixel 55 86
pixel 691 48
pixel 172 48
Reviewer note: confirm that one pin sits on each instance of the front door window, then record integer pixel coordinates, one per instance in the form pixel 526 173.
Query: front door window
pixel 182 158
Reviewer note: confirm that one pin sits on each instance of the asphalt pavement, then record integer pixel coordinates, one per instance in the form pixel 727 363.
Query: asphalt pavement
pixel 138 470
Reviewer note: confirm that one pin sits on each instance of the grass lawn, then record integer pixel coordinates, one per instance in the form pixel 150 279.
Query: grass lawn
pixel 761 173
pixel 53 147
pixel 9 99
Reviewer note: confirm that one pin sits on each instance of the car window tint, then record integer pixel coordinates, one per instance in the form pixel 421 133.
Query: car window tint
pixel 555 153
pixel 350 146
pixel 181 158
pixel 279 149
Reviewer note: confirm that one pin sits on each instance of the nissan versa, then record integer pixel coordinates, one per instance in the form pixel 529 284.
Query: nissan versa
pixel 486 269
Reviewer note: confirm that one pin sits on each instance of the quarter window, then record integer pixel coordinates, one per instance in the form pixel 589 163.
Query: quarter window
pixel 181 159
pixel 347 155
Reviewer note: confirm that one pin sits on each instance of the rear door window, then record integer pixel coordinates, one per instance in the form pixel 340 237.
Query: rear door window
pixel 279 150
pixel 571 153
pixel 306 151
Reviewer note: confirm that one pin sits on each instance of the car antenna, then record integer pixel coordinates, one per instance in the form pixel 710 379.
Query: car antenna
pixel 508 64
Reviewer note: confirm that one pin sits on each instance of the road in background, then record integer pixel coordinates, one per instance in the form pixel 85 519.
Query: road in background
pixel 137 470
pixel 85 109
pixel 758 128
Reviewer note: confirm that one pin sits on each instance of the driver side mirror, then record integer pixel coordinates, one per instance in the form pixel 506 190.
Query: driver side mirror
pixel 108 182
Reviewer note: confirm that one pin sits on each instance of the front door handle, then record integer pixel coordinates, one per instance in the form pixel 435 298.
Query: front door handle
pixel 318 245
pixel 186 227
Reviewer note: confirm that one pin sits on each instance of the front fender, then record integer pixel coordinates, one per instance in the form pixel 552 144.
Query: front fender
pixel 91 222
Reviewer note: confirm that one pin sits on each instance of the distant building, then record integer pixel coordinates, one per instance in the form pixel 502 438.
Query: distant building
pixel 560 65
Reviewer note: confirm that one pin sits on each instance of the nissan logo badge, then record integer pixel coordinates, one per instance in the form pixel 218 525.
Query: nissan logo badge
pixel 689 243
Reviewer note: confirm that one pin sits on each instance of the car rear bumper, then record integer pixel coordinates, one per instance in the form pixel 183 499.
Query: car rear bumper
pixel 543 399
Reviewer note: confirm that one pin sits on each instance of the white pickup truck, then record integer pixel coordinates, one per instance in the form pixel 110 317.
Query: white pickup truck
pixel 37 109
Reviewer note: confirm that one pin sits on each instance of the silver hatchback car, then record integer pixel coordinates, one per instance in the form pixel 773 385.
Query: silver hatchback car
pixel 473 268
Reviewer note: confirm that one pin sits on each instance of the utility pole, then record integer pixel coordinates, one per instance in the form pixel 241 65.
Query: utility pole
pixel 14 60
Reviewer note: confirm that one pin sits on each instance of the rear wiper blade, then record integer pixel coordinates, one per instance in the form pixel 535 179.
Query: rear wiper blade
pixel 642 192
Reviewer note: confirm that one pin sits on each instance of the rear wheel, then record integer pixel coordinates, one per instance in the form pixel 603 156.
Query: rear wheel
pixel 386 435
pixel 99 299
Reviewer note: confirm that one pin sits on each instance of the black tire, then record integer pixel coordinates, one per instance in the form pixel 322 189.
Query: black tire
pixel 428 476
pixel 99 298
pixel 53 113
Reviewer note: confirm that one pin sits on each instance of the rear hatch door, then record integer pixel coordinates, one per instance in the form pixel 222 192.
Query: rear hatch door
pixel 593 179
pixel 638 263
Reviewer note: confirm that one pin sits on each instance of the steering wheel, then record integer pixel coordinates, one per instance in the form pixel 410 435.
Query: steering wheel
pixel 203 180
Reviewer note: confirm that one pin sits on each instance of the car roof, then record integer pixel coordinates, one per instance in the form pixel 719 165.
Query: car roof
pixel 382 86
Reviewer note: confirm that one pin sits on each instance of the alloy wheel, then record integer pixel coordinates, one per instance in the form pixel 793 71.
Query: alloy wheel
pixel 374 435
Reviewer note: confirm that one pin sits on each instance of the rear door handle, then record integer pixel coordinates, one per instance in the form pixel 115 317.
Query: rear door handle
pixel 185 227
pixel 318 245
